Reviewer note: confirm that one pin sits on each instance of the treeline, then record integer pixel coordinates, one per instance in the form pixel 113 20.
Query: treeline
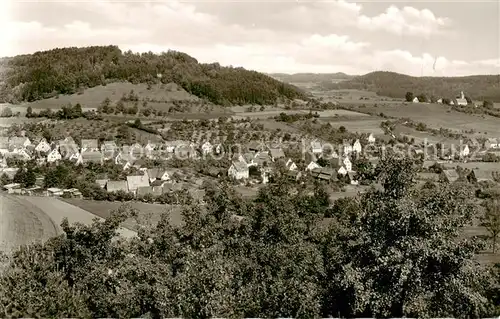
pixel 479 87
pixel 65 71
pixel 67 112
pixel 396 252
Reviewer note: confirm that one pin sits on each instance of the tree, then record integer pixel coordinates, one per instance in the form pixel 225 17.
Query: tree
pixel 342 129
pixel 120 107
pixel 488 104
pixel 422 98
pixel 4 179
pixel 29 112
pixel 104 106
pixel 409 96
pixel 491 220
pixel 6 112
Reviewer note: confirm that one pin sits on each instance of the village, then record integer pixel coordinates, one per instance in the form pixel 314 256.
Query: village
pixel 146 175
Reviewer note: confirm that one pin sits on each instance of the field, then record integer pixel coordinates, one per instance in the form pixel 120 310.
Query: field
pixel 363 125
pixel 23 223
pixel 57 209
pixel 149 214
pixel 91 98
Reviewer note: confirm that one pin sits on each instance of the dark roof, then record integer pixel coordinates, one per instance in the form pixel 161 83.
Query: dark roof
pixel 482 175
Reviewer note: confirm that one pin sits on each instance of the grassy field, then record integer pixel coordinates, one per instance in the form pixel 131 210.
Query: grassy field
pixel 91 98
pixel 57 209
pixel 149 214
pixel 361 125
pixel 23 223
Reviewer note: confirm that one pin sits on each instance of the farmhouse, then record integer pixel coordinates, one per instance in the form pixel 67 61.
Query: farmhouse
pixel 90 157
pixel 10 172
pixel 54 156
pixel 464 151
pixel 109 149
pixel 293 175
pixel 43 146
pixel 238 170
pixel 136 181
pixel 356 147
pixel 290 165
pixel 347 149
pixel 316 148
pixel 262 159
pixel 89 145
pixel 449 175
pixel 115 186
pixel 415 100
pixel 312 165
pixel 492 143
pixel 371 138
pixel 19 142
pixel 11 188
pixel 342 171
pixel 247 158
pixel 480 176
pixel 206 148
pixel 324 174
pixel 276 153
pixel 157 174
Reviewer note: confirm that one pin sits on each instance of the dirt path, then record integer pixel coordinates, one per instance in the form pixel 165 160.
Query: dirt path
pixel 22 223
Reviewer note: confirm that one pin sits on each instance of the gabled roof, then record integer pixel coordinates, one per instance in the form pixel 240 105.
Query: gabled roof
pixel 240 166
pixel 156 172
pixel 451 175
pixel 483 175
pixel 94 157
pixel 89 143
pixel 257 146
pixel 114 186
pixel 276 153
pixel 17 141
pixel 136 181
pixel 248 157
pixel 262 157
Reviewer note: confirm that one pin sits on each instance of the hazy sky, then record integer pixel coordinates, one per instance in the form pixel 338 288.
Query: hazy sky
pixel 418 38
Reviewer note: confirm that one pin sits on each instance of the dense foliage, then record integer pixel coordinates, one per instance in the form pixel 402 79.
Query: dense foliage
pixel 66 71
pixel 478 87
pixel 389 253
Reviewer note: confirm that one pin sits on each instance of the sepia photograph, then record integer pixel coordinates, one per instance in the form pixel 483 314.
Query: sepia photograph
pixel 249 159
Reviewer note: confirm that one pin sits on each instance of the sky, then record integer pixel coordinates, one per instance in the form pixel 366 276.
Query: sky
pixel 419 38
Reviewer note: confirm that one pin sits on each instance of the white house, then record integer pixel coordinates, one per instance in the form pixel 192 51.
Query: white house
pixel 356 147
pixel 371 138
pixel 206 148
pixel 43 146
pixel 347 149
pixel 290 165
pixel 347 163
pixel 415 100
pixel 464 151
pixel 19 142
pixel 492 143
pixel 238 170
pixel 155 174
pixel 316 147
pixel 440 101
pixel 342 171
pixel 22 153
pixel 54 156
pixel 312 166
pixel 462 101
pixel 218 148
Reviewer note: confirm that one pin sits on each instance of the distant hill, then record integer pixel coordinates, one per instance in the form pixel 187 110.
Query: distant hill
pixel 46 74
pixel 311 77
pixel 478 87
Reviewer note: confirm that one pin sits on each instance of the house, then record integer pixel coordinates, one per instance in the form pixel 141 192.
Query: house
pixel 464 151
pixel 312 165
pixel 316 148
pixel 342 171
pixel 276 153
pixel 90 157
pixel 218 149
pixel 439 101
pixel 89 145
pixel 238 170
pixel 10 172
pixel 293 175
pixel 150 147
pixel 11 188
pixel 492 143
pixel 255 147
pixel 109 149
pixel 68 148
pixel 480 176
pixel 4 144
pixel 101 182
pixel 20 153
pixel 461 101
pixel 19 142
pixel 290 165
pixel 43 146
pixel 136 181
pixel 356 147
pixel 247 158
pixel 54 156
pixel 415 100
pixel 348 149
pixel 54 191
pixel 206 148
pixel 262 159
pixel 115 186
pixel 371 138
pixel 185 152
pixel 157 174
pixel 450 175
pixel 324 174
pixel 347 163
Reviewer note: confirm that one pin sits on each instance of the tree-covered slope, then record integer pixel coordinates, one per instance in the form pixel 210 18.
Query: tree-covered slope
pixel 64 71
pixel 480 87
pixel 311 77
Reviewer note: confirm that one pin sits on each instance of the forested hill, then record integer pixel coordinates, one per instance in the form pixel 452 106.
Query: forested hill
pixel 67 70
pixel 478 87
